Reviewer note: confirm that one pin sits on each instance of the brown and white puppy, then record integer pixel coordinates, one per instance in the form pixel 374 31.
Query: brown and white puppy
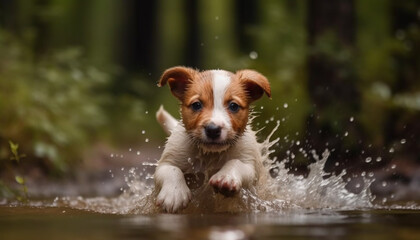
pixel 213 136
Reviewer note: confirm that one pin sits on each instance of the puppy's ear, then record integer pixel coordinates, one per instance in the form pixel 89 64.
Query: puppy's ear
pixel 178 79
pixel 255 84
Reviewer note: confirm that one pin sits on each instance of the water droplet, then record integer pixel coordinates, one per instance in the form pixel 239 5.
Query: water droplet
pixel 285 105
pixel 368 160
pixel 122 169
pixel 363 174
pixel 393 166
pixel 143 131
pixel 391 150
pixel 146 140
pixel 403 141
pixel 129 149
pixel 384 184
pixel 357 185
pixel 297 143
pixel 351 119
pixel 147 112
pixel 112 155
pixel 138 152
pixel 253 55
pixel 337 164
pixel 346 134
pixel 262 107
pixel 370 174
pixel 378 159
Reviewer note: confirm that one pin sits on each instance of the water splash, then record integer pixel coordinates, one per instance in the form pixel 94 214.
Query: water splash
pixel 318 190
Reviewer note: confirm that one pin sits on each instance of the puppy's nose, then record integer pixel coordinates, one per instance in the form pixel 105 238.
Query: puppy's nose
pixel 213 131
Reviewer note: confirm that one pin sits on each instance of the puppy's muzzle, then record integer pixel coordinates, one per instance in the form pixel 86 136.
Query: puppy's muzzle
pixel 213 131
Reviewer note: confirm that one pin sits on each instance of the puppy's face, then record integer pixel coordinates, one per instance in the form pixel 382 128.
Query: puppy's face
pixel 215 103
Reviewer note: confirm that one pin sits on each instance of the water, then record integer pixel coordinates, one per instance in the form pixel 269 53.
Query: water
pixel 287 206
pixel 67 223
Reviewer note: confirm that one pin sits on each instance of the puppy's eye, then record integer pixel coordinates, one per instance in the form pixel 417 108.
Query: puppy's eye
pixel 196 106
pixel 233 107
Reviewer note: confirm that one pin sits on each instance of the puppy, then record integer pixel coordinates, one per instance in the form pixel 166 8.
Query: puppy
pixel 213 136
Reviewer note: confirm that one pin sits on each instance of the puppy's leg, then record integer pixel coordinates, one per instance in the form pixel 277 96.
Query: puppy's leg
pixel 174 193
pixel 232 176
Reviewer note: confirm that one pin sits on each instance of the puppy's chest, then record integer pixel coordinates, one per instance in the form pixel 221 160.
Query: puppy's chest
pixel 201 168
pixel 206 163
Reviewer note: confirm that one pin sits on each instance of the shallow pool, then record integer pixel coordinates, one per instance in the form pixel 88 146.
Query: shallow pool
pixel 20 222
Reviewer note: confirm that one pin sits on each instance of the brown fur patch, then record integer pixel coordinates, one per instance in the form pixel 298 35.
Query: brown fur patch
pixel 201 91
pixel 190 86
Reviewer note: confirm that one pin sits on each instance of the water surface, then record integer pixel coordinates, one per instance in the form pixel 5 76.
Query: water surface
pixel 65 223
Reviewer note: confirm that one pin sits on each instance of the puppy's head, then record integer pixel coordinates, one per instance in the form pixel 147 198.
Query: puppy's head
pixel 215 103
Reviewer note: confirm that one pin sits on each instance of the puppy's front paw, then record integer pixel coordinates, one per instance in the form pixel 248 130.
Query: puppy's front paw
pixel 225 184
pixel 173 198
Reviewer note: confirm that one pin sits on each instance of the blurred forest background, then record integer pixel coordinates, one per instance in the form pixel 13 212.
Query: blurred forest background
pixel 78 76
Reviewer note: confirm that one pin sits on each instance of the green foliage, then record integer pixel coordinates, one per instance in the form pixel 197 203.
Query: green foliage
pixel 5 190
pixel 14 149
pixel 55 106
pixel 386 65
pixel 280 42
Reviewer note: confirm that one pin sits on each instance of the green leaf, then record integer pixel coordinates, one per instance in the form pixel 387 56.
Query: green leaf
pixel 25 190
pixel 20 180
pixel 13 147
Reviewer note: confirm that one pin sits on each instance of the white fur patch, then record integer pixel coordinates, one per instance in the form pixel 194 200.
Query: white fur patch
pixel 220 117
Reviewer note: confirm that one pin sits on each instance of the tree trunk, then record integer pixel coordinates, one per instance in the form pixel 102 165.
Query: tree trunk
pixel 331 78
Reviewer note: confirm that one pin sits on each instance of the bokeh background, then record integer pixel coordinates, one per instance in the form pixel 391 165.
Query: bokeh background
pixel 78 79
